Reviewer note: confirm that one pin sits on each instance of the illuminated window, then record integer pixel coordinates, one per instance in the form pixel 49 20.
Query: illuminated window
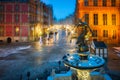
pixel 105 33
pixel 104 2
pixel 113 2
pixel 16 31
pixel 113 19
pixel 94 33
pixel 95 19
pixel 87 18
pixel 1 18
pixel 1 31
pixel 114 34
pixel 86 3
pixel 104 19
pixel 95 2
pixel 1 8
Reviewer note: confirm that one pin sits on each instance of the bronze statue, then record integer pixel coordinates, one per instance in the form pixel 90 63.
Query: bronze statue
pixel 81 41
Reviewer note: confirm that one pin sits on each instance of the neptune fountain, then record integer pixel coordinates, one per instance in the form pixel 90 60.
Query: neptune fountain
pixel 83 65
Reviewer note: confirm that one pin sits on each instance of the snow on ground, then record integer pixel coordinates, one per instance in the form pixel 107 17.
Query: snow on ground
pixel 12 50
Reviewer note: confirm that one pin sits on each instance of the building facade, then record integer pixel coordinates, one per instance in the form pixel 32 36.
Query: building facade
pixel 103 16
pixel 21 20
pixel 17 18
pixel 46 17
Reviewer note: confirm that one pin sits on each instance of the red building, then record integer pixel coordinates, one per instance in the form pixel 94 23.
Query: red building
pixel 17 19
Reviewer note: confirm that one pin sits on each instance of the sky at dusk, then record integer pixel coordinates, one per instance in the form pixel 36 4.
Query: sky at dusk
pixel 61 8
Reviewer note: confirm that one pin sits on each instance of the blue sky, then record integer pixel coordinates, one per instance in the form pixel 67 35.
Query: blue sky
pixel 61 8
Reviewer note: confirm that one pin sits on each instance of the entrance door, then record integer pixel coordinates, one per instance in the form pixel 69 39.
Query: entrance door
pixel 9 40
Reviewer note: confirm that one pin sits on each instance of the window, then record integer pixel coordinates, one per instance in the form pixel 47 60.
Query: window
pixel 86 3
pixel 1 31
pixel 1 8
pixel 1 18
pixel 94 33
pixel 16 31
pixel 114 34
pixel 113 2
pixel 95 2
pixel 87 18
pixel 95 19
pixel 104 19
pixel 113 19
pixel 16 8
pixel 16 18
pixel 104 2
pixel 105 33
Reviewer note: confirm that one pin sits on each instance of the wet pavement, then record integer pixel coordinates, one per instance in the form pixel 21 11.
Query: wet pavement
pixel 17 59
pixel 113 62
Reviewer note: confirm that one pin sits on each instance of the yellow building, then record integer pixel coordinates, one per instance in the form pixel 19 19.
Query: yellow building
pixel 103 16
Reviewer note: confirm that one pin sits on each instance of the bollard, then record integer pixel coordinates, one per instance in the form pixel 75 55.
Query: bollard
pixel 28 75
pixel 21 77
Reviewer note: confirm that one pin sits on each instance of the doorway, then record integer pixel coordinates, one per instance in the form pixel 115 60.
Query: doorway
pixel 9 40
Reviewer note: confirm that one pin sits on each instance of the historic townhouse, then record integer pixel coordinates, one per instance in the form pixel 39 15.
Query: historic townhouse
pixel 21 20
pixel 17 17
pixel 103 16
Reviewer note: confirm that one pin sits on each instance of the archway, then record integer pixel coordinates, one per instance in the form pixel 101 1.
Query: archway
pixel 9 40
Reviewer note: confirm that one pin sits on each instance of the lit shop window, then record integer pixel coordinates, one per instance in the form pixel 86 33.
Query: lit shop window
pixel 17 31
